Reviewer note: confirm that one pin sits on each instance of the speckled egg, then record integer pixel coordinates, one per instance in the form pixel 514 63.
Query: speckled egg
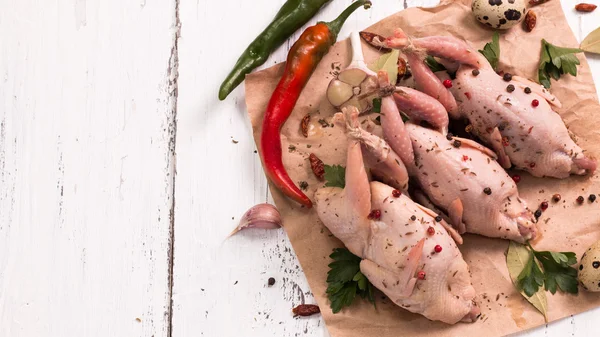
pixel 589 269
pixel 499 14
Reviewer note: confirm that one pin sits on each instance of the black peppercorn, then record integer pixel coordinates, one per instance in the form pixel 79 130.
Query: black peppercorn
pixel 580 199
pixel 475 72
pixel 507 77
pixel 413 218
pixel 271 281
pixel 457 143
pixel 592 198
pixel 510 88
pixel 487 190
pixel 527 90
pixel 556 197
pixel 438 218
pixel 538 213
pixel 449 136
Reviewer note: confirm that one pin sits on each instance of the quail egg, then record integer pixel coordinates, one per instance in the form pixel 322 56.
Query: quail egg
pixel 499 14
pixel 589 268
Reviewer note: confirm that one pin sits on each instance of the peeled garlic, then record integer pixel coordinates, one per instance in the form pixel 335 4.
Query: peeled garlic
pixel 356 85
pixel 263 216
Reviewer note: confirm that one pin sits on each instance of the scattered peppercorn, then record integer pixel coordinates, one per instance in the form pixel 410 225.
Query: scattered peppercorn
pixel 538 213
pixel 507 77
pixel 475 72
pixel 535 103
pixel 447 83
pixel 421 275
pixel 449 136
pixel 592 198
pixel 271 281
pixel 556 197
pixel 438 218
pixel 516 178
pixel 375 214
pixel 580 199
pixel 414 217
pixel 510 88
pixel 303 185
pixel 437 248
pixel 544 205
pixel 457 143
pixel 396 193
pixel 532 164
pixel 487 191
pixel 465 157
pixel 430 230
pixel 469 128
pixel 527 90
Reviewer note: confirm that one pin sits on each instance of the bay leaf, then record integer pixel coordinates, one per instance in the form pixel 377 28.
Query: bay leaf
pixel 388 63
pixel 516 259
pixel 591 43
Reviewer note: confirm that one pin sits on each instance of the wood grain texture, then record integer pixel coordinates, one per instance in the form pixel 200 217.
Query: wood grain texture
pixel 86 166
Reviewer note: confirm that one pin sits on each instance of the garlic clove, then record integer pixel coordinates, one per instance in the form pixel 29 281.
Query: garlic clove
pixel 339 92
pixel 264 216
pixel 353 76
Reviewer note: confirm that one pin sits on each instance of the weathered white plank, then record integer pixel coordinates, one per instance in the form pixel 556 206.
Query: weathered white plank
pixel 86 163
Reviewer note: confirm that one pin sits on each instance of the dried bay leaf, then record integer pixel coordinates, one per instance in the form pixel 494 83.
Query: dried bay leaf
pixel 388 63
pixel 591 43
pixel 517 257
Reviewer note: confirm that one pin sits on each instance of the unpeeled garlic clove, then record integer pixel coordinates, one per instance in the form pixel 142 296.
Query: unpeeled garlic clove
pixel 264 216
pixel 354 85
pixel 339 92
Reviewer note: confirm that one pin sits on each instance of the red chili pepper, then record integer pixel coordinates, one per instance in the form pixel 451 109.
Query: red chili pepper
pixel 303 58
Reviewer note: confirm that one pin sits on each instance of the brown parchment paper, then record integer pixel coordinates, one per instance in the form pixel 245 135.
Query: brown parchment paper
pixel 565 226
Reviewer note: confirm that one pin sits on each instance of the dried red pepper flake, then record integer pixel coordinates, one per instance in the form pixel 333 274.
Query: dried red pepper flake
pixel 447 83
pixel 306 310
pixel 468 95
pixel 516 178
pixel 544 205
pixel 430 230
pixel 535 103
pixel 396 193
pixel 437 248
pixel 421 275
pixel 375 214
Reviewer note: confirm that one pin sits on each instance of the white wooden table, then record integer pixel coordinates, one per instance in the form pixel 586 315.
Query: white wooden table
pixel 121 173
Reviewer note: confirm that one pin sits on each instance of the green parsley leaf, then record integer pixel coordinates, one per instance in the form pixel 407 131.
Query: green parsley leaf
pixel 345 281
pixel 335 176
pixel 549 269
pixel 558 271
pixel 433 64
pixel 491 51
pixel 556 61
pixel 376 104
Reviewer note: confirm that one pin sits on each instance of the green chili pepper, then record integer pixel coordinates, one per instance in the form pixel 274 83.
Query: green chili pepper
pixel 292 15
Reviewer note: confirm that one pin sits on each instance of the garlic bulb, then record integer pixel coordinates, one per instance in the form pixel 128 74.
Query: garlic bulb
pixel 356 85
pixel 263 216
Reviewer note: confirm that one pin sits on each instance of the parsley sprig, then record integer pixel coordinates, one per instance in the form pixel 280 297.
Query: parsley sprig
pixel 433 64
pixel 345 281
pixel 555 272
pixel 335 176
pixel 556 61
pixel 491 51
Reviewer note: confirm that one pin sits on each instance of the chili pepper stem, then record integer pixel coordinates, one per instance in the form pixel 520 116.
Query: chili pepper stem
pixel 336 25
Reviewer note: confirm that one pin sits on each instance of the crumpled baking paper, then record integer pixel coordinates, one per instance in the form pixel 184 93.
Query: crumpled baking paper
pixel 565 226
